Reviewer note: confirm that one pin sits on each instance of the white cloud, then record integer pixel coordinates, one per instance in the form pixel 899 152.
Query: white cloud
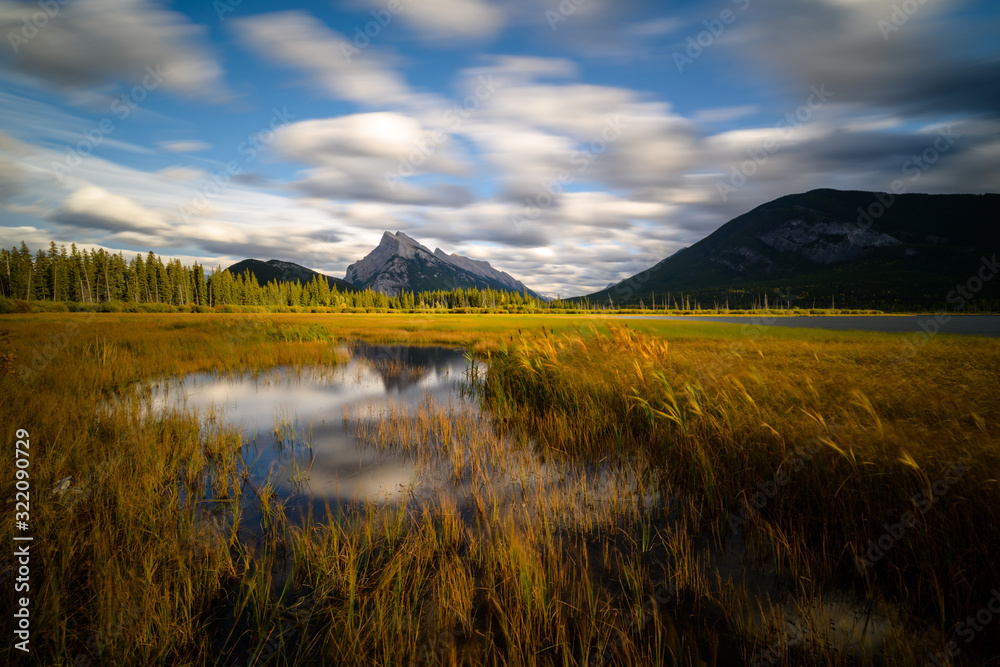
pixel 369 156
pixel 381 134
pixel 115 206
pixel 735 143
pixel 95 207
pixel 536 132
pixel 580 243
pixel 297 39
pixel 92 42
pixel 184 146
pixel 519 70
pixel 527 158
pixel 449 20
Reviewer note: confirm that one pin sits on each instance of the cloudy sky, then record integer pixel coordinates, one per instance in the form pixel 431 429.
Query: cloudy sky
pixel 571 143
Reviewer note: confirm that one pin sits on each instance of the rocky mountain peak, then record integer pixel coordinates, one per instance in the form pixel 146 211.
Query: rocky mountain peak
pixel 400 262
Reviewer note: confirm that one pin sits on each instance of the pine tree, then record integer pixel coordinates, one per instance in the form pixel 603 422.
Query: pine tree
pixel 75 275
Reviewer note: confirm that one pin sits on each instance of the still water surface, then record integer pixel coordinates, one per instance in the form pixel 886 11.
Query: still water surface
pixel 396 424
pixel 967 325
pixel 294 420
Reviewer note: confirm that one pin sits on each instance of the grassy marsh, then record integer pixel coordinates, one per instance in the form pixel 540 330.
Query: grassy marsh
pixel 128 566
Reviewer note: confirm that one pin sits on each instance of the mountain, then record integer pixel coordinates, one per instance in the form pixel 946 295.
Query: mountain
pixel 275 269
pixel 401 263
pixel 851 248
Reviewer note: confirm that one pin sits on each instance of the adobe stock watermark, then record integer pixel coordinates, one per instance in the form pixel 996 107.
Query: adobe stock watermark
pixel 963 293
pixel 915 166
pixel 31 25
pixel 923 502
pixel 967 630
pixel 751 331
pixel 766 490
pixel 223 7
pixel 901 13
pixel 696 44
pixel 42 354
pixel 565 9
pixel 248 148
pixel 665 593
pixel 785 128
pixel 775 653
pixel 381 18
pixel 438 651
pixel 97 643
pixel 454 118
pixel 958 298
pixel 286 634
pixel 122 108
pixel 581 161
pixel 624 290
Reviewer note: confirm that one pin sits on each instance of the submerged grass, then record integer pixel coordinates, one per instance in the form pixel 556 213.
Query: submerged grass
pixel 142 558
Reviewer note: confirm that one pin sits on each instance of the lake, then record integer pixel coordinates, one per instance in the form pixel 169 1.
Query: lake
pixel 967 325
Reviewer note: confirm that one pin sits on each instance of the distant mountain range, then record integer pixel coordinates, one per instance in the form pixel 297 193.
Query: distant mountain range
pixel 824 247
pixel 398 263
pixel 275 269
pixel 850 249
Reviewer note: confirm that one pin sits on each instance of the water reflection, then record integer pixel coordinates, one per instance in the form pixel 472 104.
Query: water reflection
pixel 402 367
pixel 394 424
pixel 397 424
pixel 293 419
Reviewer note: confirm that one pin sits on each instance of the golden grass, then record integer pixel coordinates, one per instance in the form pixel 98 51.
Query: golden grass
pixel 855 438
pixel 131 566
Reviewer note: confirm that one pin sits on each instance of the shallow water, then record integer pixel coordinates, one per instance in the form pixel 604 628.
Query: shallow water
pixel 293 420
pixel 968 325
pixel 395 424
pixel 400 425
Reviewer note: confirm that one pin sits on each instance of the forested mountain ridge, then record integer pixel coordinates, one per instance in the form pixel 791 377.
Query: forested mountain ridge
pixel 285 272
pixel 830 247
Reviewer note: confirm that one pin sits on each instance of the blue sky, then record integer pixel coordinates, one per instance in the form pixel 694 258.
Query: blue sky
pixel 570 143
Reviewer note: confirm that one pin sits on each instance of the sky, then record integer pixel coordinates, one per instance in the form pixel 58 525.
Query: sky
pixel 571 143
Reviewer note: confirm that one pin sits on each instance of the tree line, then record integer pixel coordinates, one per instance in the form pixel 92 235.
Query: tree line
pixel 98 276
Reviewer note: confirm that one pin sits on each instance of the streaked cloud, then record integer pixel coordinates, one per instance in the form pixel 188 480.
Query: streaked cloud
pixel 460 20
pixel 88 43
pixel 184 146
pixel 297 39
